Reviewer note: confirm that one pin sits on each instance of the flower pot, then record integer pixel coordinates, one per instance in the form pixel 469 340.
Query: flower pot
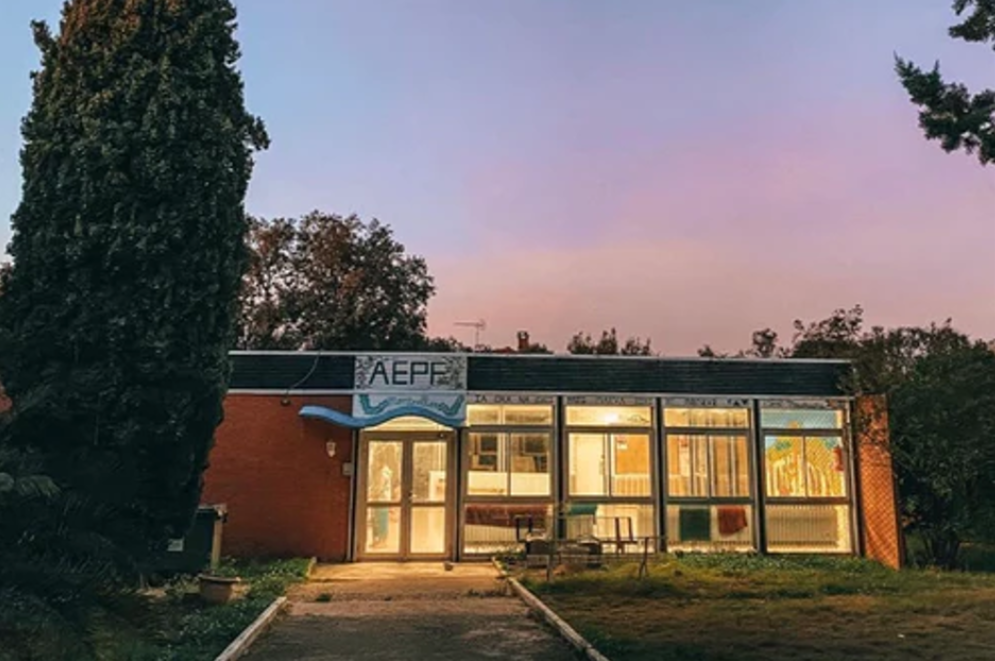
pixel 216 589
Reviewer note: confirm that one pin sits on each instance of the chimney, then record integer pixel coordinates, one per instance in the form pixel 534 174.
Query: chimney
pixel 523 341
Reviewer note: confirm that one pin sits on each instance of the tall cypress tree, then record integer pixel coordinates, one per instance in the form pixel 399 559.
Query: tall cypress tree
pixel 128 249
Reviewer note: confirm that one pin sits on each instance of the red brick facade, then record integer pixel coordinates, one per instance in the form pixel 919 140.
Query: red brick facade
pixel 879 529
pixel 285 495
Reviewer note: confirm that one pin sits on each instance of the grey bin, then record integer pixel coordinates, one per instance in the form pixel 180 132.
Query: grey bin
pixel 200 548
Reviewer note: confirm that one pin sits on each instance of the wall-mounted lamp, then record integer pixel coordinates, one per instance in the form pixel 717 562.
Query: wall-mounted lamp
pixel 330 448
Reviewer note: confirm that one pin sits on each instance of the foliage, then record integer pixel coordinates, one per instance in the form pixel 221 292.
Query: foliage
pixel 608 345
pixel 948 111
pixel 180 627
pixel 54 570
pixel 444 345
pixel 327 282
pixel 128 248
pixel 943 423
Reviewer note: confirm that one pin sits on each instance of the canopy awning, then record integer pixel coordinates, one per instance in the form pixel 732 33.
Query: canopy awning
pixel 346 420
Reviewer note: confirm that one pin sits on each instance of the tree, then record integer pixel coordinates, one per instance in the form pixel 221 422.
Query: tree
pixel 583 344
pixel 837 336
pixel 948 111
pixel 765 345
pixel 331 282
pixel 444 345
pixel 128 247
pixel 943 423
pixel 266 287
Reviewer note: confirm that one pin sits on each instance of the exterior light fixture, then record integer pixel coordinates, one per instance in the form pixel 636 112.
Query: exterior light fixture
pixel 330 448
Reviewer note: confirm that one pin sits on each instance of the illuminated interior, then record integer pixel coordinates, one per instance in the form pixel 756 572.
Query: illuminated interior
pixel 806 476
pixel 593 475
pixel 508 476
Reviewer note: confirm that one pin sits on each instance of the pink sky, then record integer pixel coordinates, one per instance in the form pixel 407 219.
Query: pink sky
pixel 701 243
pixel 687 171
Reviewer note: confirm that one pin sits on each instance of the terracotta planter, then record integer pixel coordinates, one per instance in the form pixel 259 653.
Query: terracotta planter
pixel 216 589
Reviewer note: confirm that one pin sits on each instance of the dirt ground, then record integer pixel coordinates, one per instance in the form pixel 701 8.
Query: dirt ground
pixel 386 612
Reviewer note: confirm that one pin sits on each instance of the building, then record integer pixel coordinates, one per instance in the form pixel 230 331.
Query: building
pixel 356 457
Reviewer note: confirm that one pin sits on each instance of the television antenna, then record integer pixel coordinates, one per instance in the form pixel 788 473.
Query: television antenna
pixel 477 326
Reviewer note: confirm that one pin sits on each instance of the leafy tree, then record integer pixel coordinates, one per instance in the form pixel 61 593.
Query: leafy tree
pixel 332 282
pixel 943 423
pixel 837 336
pixel 708 352
pixel 267 285
pixel 444 345
pixel 765 345
pixel 128 247
pixel 948 111
pixel 55 571
pixel 535 348
pixel 608 345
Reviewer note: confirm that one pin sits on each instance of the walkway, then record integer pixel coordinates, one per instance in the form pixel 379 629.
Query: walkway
pixel 386 611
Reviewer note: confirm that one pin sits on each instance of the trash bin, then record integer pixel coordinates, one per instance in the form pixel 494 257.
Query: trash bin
pixel 200 548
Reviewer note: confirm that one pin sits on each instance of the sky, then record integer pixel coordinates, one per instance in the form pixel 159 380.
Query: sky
pixel 684 171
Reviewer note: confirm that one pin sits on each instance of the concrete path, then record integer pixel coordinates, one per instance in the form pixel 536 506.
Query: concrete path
pixel 383 612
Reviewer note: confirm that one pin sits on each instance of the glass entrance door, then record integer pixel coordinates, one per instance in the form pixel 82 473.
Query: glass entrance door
pixel 405 510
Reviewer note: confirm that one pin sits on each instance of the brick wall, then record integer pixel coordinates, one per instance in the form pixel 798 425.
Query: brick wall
pixel 880 532
pixel 285 495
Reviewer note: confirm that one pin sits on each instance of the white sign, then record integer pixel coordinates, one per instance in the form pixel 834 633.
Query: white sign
pixel 410 372
pixel 431 385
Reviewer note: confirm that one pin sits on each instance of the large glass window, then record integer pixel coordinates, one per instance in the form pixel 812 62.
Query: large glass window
pixel 612 465
pixel 686 417
pixel 499 527
pixel 806 480
pixel 509 464
pixel 708 466
pixel 709 479
pixel 802 418
pixel 609 476
pixel 508 452
pixel 509 414
pixel 609 416
pixel 805 467
pixel 620 527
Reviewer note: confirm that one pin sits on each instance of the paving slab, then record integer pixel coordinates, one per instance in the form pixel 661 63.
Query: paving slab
pixel 385 612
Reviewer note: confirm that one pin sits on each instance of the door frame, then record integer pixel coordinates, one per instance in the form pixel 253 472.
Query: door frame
pixel 406 504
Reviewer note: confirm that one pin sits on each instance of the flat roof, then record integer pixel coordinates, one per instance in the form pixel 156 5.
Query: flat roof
pixel 333 371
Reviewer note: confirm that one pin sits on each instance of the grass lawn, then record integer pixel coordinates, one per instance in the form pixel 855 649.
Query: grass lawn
pixel 173 624
pixel 743 608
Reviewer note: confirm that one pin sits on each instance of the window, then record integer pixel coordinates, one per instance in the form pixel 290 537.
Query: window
pixel 610 416
pixel 801 418
pixel 497 527
pixel 620 527
pixel 701 417
pixel 708 466
pixel 808 528
pixel 709 479
pixel 805 467
pixel 509 414
pixel 805 471
pixel 614 465
pixel 509 464
pixel 707 526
